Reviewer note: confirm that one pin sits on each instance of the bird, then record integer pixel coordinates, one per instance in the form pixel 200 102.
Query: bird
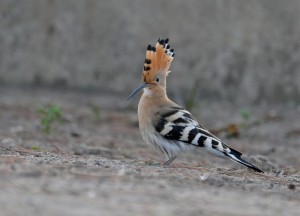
pixel 166 125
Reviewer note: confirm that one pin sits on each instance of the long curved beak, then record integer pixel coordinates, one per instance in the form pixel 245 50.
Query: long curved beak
pixel 137 90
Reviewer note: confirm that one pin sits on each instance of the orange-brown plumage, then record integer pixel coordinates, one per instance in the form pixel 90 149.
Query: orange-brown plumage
pixel 158 60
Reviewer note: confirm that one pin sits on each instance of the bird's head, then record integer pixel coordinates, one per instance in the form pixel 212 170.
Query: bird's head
pixel 156 67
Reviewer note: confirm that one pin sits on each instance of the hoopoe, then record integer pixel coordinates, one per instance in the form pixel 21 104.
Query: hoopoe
pixel 166 125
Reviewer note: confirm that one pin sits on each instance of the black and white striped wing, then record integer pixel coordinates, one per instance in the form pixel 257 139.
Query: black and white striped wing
pixel 178 124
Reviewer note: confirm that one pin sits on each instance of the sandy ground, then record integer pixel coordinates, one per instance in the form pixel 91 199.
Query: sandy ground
pixel 95 162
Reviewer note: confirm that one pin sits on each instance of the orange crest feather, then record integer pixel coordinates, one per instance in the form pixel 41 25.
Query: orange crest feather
pixel 158 58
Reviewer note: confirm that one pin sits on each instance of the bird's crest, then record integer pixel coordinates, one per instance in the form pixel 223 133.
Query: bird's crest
pixel 158 58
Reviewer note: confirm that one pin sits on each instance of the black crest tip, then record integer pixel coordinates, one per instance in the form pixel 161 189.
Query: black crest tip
pixel 162 42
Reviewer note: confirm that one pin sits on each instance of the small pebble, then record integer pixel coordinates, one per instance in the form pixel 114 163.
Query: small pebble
pixel 292 186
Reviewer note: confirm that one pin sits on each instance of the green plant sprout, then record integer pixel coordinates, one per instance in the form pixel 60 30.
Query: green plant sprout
pixel 35 148
pixel 51 114
pixel 96 112
pixel 246 114
pixel 191 100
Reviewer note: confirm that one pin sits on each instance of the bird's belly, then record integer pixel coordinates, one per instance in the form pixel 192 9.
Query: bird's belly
pixel 168 147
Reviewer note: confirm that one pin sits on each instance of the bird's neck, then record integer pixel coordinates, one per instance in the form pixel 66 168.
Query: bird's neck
pixel 153 99
pixel 155 93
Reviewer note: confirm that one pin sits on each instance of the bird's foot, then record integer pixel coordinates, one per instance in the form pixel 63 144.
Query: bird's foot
pixel 168 162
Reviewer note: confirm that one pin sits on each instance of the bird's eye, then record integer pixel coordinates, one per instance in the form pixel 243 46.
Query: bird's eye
pixel 157 79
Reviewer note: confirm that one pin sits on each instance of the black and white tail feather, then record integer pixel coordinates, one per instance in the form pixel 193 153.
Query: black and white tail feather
pixel 179 131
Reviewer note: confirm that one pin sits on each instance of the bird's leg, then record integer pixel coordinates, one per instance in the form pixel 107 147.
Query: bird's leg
pixel 168 162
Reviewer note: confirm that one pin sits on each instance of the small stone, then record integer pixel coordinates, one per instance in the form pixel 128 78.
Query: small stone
pixel 292 186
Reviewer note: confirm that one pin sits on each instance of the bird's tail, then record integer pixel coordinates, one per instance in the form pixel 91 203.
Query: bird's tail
pixel 237 156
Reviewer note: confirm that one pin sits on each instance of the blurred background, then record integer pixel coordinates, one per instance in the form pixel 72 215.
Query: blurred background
pixel 70 142
pixel 242 51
